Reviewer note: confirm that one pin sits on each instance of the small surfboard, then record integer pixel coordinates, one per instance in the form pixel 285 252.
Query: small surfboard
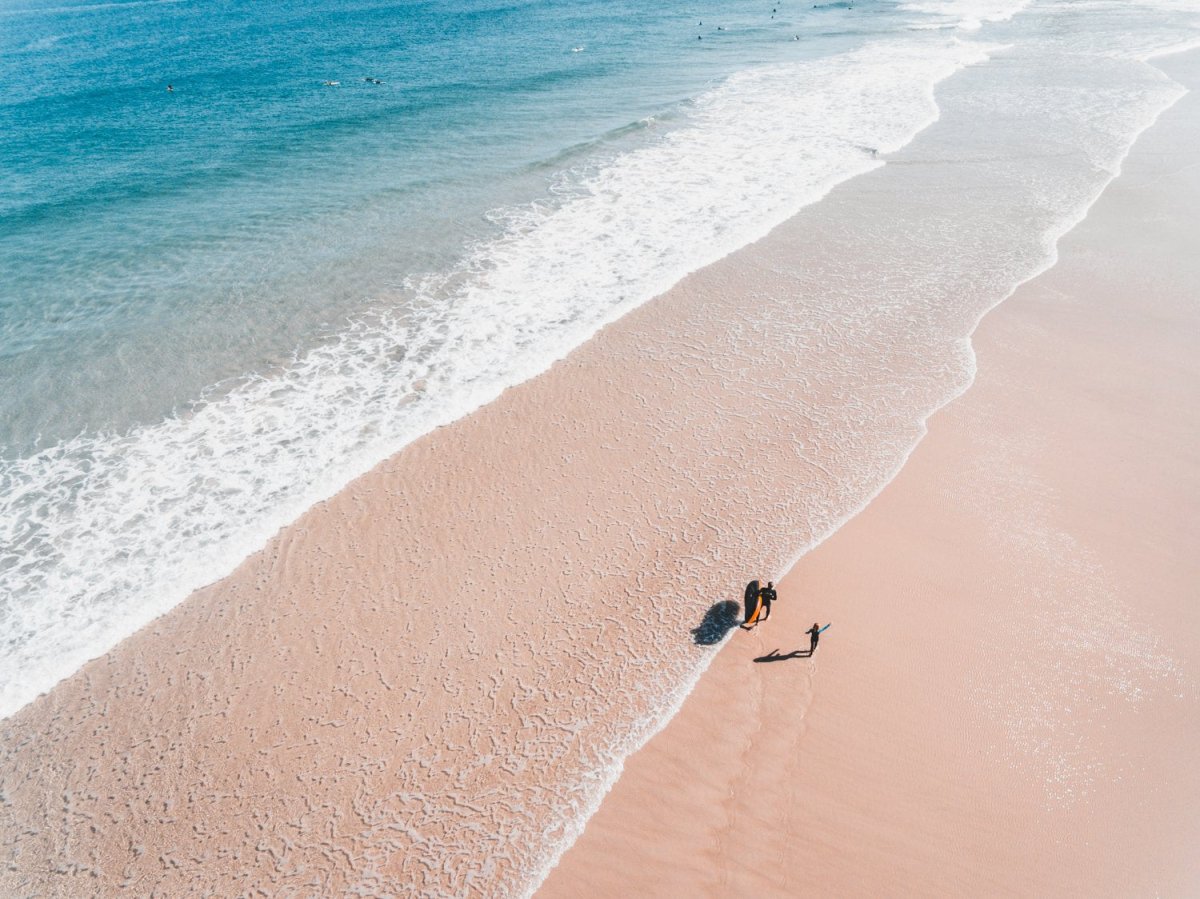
pixel 754 605
pixel 824 629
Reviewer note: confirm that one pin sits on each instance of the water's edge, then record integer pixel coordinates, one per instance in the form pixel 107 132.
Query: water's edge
pixel 675 702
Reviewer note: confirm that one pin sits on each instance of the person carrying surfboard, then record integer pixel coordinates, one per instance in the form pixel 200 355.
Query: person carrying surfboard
pixel 758 603
pixel 814 634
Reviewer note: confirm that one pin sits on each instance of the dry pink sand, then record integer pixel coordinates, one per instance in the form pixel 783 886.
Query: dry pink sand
pixel 1006 703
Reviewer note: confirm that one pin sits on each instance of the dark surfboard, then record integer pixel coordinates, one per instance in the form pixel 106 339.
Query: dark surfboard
pixel 753 603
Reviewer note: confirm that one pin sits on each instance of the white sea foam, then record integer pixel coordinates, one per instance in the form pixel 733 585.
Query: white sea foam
pixel 104 532
pixel 965 15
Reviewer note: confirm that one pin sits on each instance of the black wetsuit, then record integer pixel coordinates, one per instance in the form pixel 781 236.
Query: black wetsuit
pixel 768 596
pixel 815 633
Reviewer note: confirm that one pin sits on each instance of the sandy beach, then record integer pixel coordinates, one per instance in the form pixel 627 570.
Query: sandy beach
pixel 430 684
pixel 1006 701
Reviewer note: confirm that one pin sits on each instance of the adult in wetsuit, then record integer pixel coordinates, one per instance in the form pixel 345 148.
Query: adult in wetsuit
pixel 767 595
pixel 814 634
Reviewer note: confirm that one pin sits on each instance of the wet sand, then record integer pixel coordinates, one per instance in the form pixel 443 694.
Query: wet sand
pixel 1006 702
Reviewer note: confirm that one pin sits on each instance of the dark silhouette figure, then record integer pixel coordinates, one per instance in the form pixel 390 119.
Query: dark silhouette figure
pixel 768 595
pixel 814 634
pixel 758 604
pixel 720 619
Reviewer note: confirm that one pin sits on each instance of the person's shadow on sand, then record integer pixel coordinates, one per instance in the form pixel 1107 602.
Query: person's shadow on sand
pixel 720 619
pixel 774 656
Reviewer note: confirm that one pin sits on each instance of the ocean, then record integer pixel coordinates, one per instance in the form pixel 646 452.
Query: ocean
pixel 247 252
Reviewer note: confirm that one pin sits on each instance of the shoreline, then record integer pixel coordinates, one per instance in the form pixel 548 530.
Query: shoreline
pixel 1026 778
pixel 285 452
pixel 326 666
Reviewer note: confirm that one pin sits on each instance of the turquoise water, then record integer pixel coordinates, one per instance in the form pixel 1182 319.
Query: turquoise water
pixel 155 243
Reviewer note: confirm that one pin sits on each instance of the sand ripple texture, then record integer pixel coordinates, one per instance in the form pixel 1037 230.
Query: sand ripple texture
pixel 426 684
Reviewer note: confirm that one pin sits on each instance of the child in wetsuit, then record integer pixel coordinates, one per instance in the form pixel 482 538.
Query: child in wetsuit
pixel 814 633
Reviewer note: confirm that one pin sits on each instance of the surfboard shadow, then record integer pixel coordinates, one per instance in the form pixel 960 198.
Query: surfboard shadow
pixel 720 619
pixel 774 656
